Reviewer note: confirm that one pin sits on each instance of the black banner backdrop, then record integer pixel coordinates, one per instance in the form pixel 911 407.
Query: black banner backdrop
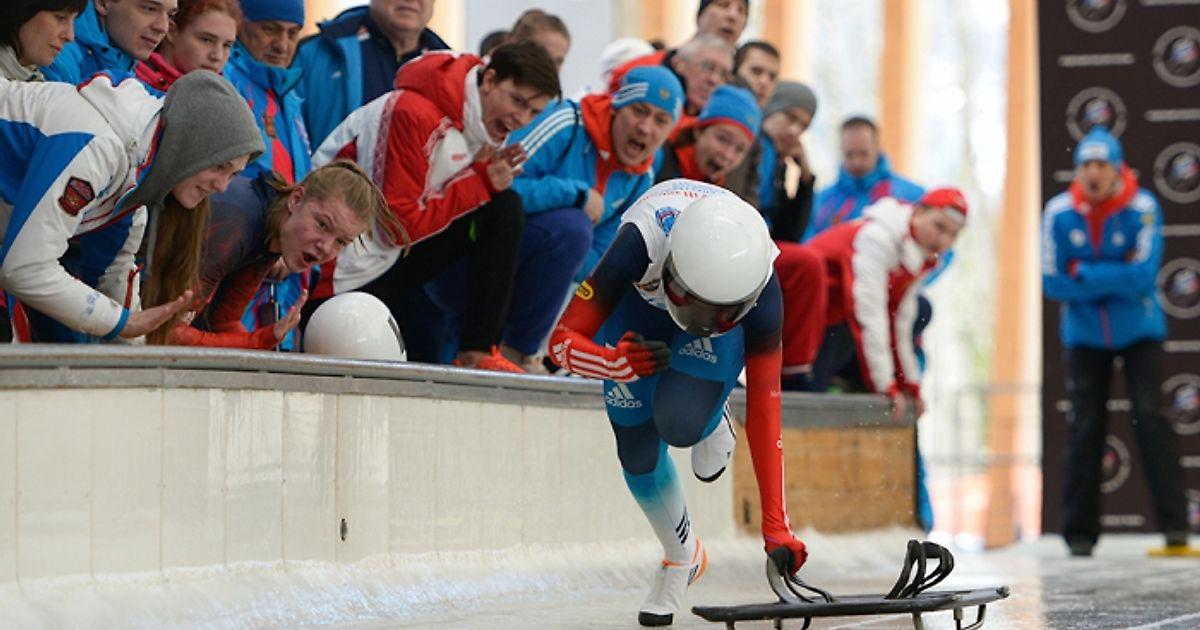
pixel 1133 66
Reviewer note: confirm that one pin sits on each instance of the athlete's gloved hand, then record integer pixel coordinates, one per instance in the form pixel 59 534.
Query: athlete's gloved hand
pixel 797 548
pixel 633 357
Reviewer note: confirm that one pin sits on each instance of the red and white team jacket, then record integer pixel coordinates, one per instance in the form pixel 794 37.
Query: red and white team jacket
pixel 418 143
pixel 873 268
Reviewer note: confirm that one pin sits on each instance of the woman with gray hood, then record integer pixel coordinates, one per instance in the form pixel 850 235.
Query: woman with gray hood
pixel 90 164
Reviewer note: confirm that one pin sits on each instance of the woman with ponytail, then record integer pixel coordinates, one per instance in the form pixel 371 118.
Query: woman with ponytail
pixel 260 222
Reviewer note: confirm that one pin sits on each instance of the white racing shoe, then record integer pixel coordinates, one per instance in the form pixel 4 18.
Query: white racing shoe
pixel 711 455
pixel 668 595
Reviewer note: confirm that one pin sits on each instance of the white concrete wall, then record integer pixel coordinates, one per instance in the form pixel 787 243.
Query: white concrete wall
pixel 97 483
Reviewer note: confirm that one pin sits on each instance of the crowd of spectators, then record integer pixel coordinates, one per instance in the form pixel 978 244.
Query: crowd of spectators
pixel 496 192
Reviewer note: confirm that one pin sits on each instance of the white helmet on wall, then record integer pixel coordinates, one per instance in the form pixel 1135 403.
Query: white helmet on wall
pixel 719 259
pixel 354 325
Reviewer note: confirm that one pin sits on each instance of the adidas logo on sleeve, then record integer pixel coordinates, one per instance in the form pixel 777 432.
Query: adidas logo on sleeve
pixel 700 348
pixel 620 397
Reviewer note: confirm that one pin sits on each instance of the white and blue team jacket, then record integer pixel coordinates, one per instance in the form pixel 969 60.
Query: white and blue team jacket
pixel 68 155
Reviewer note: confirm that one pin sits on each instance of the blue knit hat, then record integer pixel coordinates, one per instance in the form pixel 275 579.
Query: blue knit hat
pixel 733 105
pixel 654 85
pixel 281 10
pixel 1100 145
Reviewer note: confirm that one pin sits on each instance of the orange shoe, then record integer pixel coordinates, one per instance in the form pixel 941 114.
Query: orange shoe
pixel 494 362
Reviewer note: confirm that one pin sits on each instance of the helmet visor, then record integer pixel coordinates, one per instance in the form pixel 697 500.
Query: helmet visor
pixel 697 316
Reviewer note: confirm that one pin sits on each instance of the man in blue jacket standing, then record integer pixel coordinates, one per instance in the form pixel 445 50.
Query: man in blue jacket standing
pixel 588 161
pixel 354 58
pixel 866 177
pixel 112 35
pixel 1101 250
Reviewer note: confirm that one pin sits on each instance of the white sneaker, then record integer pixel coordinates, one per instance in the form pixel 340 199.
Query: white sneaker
pixel 711 455
pixel 668 594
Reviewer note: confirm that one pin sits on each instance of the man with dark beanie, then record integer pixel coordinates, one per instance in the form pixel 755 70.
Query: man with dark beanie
pixel 99 153
pixel 786 117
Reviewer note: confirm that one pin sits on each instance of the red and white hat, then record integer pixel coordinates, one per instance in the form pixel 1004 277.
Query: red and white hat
pixel 949 199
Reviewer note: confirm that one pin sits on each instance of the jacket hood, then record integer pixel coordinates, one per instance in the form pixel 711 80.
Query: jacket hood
pixel 125 103
pixel 157 72
pixel 441 78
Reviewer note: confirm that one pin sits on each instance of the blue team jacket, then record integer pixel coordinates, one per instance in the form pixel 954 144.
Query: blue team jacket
pixel 1102 265
pixel 91 52
pixel 570 152
pixel 272 95
pixel 332 64
pixel 846 198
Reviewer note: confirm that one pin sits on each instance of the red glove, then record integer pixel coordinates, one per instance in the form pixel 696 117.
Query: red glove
pixel 633 357
pixel 799 551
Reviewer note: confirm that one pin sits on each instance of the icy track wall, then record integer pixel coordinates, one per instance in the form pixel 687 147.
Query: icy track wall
pixel 138 461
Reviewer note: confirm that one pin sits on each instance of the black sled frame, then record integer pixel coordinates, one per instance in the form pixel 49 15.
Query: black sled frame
pixel 910 595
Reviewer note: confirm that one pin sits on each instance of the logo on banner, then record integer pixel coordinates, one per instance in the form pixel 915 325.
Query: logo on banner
pixel 1116 465
pixel 1096 106
pixel 1177 172
pixel 1179 288
pixel 1193 501
pixel 1182 393
pixel 1177 56
pixel 1095 16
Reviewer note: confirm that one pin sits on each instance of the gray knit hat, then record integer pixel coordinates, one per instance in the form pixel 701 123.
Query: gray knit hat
pixel 205 123
pixel 790 94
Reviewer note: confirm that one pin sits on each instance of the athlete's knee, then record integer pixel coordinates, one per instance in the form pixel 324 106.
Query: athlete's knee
pixel 638 448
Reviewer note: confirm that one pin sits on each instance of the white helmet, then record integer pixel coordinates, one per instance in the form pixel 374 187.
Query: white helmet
pixel 718 261
pixel 355 326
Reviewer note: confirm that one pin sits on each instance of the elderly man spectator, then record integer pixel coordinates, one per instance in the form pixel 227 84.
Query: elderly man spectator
pixel 354 58
pixel 112 35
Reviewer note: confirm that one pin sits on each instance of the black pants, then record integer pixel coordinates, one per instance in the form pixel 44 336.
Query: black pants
pixel 491 238
pixel 1089 375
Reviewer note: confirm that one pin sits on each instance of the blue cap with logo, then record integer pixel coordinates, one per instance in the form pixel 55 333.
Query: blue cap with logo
pixel 732 105
pixel 654 85
pixel 1099 145
pixel 274 10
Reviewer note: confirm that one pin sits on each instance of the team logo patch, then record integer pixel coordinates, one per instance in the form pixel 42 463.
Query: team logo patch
pixel 1177 56
pixel 1095 16
pixel 1116 465
pixel 1078 238
pixel 666 216
pixel 1179 288
pixel 1182 393
pixel 1177 172
pixel 1096 106
pixel 76 197
pixel 585 291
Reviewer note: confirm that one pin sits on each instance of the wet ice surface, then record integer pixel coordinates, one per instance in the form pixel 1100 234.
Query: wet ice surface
pixel 1119 587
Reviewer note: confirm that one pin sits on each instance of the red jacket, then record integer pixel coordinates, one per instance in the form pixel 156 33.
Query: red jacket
pixel 873 270
pixel 419 143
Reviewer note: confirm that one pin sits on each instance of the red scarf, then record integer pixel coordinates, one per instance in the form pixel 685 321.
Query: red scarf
pixel 1097 215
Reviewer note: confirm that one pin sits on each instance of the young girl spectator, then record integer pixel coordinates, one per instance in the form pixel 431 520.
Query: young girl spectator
pixel 201 36
pixel 94 162
pixel 259 222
